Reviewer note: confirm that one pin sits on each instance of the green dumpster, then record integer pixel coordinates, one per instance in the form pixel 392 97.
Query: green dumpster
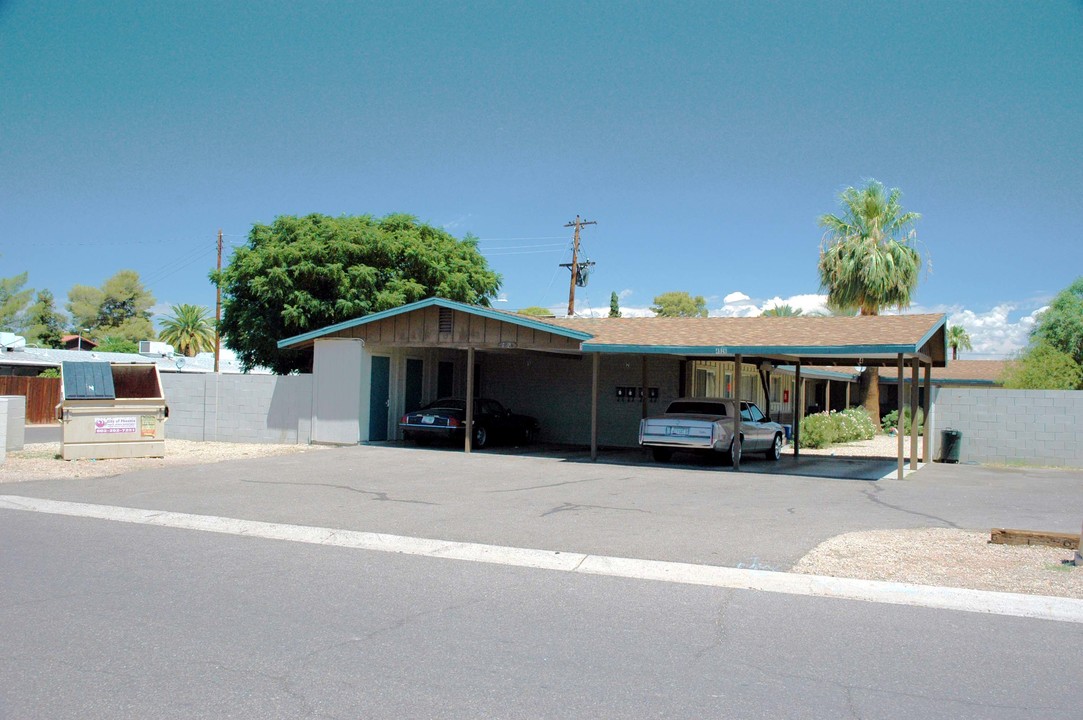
pixel 951 442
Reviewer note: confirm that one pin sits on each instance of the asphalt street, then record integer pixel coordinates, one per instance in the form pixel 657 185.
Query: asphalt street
pixel 685 513
pixel 111 620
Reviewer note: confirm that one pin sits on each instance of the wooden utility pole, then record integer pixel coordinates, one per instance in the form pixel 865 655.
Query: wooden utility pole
pixel 574 265
pixel 218 306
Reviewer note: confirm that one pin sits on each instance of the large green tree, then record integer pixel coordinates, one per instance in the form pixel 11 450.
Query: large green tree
pixel 1061 324
pixel 120 308
pixel 679 304
pixel 1043 367
pixel 14 297
pixel 302 273
pixel 868 259
pixel 45 325
pixel 188 329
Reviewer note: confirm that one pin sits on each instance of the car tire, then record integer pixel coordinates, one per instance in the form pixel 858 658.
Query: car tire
pixel 481 437
pixel 661 454
pixel 733 455
pixel 776 449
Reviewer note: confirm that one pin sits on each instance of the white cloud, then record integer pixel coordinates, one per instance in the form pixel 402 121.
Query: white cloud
pixel 735 297
pixel 627 292
pixel 994 333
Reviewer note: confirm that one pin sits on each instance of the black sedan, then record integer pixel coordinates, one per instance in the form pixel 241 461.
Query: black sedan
pixel 445 419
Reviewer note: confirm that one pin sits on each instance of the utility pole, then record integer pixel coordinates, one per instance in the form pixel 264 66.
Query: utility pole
pixel 218 305
pixel 574 265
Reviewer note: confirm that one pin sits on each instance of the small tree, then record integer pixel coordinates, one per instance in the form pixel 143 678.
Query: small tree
pixel 188 329
pixel 614 305
pixel 45 324
pixel 1043 367
pixel 120 308
pixel 958 339
pixel 536 311
pixel 679 304
pixel 117 344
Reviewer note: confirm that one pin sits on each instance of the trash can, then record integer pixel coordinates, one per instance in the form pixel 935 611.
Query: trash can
pixel 111 411
pixel 951 442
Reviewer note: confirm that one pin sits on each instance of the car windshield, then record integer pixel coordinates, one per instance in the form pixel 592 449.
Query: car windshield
pixel 697 408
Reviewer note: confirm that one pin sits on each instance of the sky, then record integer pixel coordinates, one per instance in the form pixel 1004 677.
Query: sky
pixel 704 138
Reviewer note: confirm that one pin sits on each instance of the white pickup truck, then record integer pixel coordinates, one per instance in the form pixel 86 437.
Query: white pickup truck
pixel 706 425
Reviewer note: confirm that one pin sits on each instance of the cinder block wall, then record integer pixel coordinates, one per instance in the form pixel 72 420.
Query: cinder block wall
pixel 239 408
pixel 15 421
pixel 1033 427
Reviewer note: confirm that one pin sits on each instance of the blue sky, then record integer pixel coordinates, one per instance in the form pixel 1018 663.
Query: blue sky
pixel 704 138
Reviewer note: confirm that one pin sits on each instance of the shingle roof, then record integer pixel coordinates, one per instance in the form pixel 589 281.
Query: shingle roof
pixel 962 371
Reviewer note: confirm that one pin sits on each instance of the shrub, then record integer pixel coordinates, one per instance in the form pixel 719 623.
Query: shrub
pixel 891 420
pixel 822 429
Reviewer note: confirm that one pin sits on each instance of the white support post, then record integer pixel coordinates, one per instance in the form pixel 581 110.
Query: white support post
pixel 594 408
pixel 467 444
pixel 898 425
pixel 736 444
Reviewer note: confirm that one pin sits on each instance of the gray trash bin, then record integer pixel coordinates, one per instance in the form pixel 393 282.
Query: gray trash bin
pixel 951 443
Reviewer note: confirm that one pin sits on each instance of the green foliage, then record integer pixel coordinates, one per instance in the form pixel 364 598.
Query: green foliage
pixel 614 305
pixel 117 344
pixel 1061 325
pixel 891 420
pixel 536 311
pixel 823 429
pixel 45 326
pixel 303 273
pixel 868 260
pixel 958 339
pixel 188 330
pixel 13 301
pixel 781 311
pixel 49 373
pixel 120 308
pixel 1043 367
pixel 679 304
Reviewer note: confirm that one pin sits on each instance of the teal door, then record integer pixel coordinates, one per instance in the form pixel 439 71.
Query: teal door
pixel 412 397
pixel 379 395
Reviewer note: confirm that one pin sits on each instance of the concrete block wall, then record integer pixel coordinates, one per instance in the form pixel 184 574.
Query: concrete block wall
pixel 14 422
pixel 1030 427
pixel 239 408
pixel 3 429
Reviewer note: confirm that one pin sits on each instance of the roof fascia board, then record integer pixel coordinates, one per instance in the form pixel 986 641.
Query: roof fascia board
pixel 429 302
pixel 869 351
pixel 932 331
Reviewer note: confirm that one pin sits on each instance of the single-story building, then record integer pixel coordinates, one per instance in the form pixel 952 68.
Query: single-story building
pixel 574 374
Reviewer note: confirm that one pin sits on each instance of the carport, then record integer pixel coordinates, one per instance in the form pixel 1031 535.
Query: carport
pixel 647 350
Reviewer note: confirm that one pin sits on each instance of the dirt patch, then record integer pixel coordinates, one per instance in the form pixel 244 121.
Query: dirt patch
pixel 947 558
pixel 41 461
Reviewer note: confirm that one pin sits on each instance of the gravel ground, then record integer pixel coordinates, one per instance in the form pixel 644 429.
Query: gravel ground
pixel 41 461
pixel 928 556
pixel 879 446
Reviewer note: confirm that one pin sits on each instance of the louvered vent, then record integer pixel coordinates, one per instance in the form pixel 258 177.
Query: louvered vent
pixel 446 320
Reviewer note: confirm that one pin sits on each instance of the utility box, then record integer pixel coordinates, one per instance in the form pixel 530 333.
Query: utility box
pixel 111 411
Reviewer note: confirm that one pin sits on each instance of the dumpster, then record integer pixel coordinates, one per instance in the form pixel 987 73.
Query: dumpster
pixel 951 442
pixel 111 411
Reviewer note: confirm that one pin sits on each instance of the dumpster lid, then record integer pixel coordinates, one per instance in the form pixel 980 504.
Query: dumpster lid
pixel 87 381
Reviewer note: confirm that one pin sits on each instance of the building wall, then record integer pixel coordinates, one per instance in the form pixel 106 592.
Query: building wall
pixel 557 389
pixel 1032 427
pixel 239 408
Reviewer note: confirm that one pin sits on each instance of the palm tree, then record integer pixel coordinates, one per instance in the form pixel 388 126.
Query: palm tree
pixel 958 339
pixel 781 311
pixel 189 329
pixel 868 260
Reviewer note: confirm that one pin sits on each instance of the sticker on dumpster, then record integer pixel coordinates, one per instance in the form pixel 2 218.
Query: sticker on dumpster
pixel 146 426
pixel 112 425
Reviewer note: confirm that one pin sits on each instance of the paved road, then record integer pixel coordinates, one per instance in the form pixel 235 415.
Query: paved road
pixel 109 620
pixel 697 514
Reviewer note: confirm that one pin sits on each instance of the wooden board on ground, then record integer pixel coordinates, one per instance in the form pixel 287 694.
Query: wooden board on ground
pixel 1001 536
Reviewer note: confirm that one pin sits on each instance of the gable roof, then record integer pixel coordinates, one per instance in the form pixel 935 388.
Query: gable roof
pixel 876 339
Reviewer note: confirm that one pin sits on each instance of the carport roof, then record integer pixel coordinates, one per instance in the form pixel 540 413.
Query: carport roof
pixel 875 339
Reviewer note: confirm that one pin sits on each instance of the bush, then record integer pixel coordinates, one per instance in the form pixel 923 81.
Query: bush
pixel 891 420
pixel 823 429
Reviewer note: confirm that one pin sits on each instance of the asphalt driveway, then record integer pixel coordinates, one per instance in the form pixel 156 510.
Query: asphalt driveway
pixel 698 514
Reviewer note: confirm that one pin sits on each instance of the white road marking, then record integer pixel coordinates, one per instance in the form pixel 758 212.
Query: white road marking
pixel 978 601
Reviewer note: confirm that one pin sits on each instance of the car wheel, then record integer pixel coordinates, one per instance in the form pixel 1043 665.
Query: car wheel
pixel 776 449
pixel 661 454
pixel 481 437
pixel 734 454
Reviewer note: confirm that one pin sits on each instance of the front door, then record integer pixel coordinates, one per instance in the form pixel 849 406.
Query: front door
pixel 379 397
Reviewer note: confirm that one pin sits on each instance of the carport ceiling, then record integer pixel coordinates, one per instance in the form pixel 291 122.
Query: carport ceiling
pixel 873 340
